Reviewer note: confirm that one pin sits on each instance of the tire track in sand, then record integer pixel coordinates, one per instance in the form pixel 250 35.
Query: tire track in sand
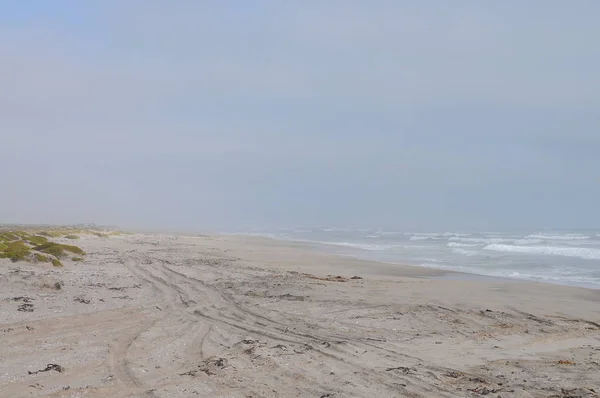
pixel 198 303
pixel 172 312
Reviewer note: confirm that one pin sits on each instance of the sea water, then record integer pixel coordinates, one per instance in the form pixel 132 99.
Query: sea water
pixel 563 257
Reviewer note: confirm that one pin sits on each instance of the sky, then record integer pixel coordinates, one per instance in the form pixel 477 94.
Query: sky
pixel 221 115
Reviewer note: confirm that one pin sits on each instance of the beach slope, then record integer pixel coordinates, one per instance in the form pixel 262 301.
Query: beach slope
pixel 147 315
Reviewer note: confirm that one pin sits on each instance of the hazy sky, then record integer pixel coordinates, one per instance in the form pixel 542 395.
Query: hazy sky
pixel 231 114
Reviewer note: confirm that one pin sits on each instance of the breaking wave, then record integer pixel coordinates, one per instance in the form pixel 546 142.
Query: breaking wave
pixel 480 240
pixel 558 237
pixel 464 252
pixel 362 246
pixel 417 237
pixel 579 252
pixel 458 244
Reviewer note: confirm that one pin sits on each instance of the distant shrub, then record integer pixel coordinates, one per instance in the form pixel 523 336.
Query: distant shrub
pixel 40 258
pixel 58 250
pixel 100 234
pixel 36 240
pixel 16 245
pixel 16 251
pixel 8 236
pixel 51 234
pixel 74 249
pixel 52 248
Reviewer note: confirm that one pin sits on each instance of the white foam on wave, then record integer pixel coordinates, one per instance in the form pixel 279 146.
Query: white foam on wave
pixel 479 240
pixel 527 241
pixel 458 244
pixel 363 246
pixel 456 234
pixel 469 242
pixel 424 234
pixel 579 252
pixel 438 234
pixel 570 279
pixel 417 237
pixel 345 229
pixel 468 253
pixel 558 237
pixel 433 260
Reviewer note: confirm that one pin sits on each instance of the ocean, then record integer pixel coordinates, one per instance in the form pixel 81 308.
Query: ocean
pixel 561 257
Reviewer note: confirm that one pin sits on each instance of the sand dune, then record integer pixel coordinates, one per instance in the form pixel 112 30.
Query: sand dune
pixel 224 316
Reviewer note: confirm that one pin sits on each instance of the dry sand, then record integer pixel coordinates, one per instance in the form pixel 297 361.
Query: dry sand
pixel 223 316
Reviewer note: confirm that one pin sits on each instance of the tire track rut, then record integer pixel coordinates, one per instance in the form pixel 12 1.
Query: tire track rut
pixel 198 302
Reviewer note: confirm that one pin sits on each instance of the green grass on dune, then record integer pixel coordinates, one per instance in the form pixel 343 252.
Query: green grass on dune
pixel 74 249
pixel 22 236
pixel 16 251
pixel 8 236
pixel 50 234
pixel 40 258
pixel 58 250
pixel 34 246
pixel 36 239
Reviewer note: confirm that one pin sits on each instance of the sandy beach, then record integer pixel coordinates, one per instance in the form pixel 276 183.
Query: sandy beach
pixel 149 315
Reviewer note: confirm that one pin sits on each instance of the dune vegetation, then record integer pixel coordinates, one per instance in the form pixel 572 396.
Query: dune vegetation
pixel 37 246
pixel 16 250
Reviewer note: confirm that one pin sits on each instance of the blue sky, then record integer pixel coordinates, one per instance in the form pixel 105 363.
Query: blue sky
pixel 218 115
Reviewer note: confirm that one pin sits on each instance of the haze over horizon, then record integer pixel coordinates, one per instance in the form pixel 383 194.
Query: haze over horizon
pixel 228 115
